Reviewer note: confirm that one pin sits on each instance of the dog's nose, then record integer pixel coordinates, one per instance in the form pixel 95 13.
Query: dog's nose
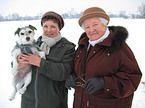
pixel 27 38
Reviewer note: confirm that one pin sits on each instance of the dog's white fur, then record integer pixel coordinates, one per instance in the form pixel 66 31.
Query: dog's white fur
pixel 22 77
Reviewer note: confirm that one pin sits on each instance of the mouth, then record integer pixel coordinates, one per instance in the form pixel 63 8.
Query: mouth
pixel 50 34
pixel 94 34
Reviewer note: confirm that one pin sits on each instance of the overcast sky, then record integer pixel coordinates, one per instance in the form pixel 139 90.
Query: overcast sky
pixel 34 7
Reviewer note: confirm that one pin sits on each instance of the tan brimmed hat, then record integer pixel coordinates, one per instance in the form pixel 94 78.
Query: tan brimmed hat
pixel 93 12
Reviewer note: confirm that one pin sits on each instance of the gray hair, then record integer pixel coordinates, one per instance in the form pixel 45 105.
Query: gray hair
pixel 103 21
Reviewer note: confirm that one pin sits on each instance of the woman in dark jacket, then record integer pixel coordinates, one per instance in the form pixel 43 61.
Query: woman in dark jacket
pixel 47 88
pixel 106 72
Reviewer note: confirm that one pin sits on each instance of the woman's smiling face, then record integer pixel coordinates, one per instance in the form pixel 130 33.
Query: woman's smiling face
pixel 94 28
pixel 50 28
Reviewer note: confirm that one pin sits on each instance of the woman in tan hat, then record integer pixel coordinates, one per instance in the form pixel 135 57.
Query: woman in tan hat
pixel 106 73
pixel 47 88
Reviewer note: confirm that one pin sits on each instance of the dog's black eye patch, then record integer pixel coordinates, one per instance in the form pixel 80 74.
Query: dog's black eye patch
pixel 22 33
pixel 29 31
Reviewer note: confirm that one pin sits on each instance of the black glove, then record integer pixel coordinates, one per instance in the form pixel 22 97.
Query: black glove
pixel 94 84
pixel 70 82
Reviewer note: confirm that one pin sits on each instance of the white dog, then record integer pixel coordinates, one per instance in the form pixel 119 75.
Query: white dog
pixel 25 44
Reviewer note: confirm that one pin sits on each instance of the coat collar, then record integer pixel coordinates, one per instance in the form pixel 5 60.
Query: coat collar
pixel 106 42
pixel 114 41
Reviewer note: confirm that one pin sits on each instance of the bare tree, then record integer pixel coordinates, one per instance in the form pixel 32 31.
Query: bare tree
pixel 141 10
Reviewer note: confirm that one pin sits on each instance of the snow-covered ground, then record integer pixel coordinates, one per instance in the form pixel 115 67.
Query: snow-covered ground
pixel 72 32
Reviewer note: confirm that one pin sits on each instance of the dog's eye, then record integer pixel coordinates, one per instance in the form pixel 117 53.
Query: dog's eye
pixel 22 33
pixel 29 31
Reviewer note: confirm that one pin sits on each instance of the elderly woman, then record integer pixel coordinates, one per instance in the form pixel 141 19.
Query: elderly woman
pixel 106 73
pixel 47 88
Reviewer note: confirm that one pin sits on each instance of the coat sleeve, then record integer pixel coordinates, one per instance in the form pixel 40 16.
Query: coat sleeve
pixel 58 69
pixel 127 78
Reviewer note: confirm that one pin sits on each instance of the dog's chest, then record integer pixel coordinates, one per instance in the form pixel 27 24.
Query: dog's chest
pixel 25 49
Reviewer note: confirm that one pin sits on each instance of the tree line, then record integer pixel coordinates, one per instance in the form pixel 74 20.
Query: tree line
pixel 17 17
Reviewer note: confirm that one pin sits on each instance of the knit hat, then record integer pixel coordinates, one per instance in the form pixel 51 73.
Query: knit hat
pixel 93 12
pixel 53 15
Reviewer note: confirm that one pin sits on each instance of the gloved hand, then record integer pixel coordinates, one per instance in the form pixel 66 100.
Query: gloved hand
pixel 71 82
pixel 94 84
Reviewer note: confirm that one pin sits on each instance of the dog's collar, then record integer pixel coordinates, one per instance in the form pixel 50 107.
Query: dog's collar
pixel 34 44
pixel 27 45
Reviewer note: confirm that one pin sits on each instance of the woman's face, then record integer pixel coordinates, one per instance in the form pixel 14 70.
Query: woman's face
pixel 94 28
pixel 50 28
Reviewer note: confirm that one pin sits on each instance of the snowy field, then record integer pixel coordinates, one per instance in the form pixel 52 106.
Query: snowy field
pixel 72 32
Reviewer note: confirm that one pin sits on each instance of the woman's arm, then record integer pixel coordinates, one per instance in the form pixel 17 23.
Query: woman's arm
pixel 124 82
pixel 58 68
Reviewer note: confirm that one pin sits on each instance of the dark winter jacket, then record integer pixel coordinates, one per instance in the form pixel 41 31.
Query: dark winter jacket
pixel 113 60
pixel 47 89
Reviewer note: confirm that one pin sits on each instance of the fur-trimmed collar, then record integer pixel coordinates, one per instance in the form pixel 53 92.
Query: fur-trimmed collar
pixel 114 41
pixel 119 36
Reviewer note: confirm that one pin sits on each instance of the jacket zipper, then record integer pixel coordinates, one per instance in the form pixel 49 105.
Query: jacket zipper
pixel 35 88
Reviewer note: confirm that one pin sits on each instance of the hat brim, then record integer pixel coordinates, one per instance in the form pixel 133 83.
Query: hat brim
pixel 91 15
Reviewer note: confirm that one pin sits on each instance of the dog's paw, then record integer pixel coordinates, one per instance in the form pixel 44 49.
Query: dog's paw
pixel 11 98
pixel 22 90
pixel 13 94
pixel 42 55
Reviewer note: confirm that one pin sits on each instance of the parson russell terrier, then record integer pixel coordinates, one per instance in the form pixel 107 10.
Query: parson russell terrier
pixel 25 44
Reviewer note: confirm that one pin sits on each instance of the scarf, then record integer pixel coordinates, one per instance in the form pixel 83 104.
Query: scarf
pixel 49 42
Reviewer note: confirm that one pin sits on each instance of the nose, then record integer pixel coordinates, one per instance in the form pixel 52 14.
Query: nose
pixel 91 29
pixel 48 29
pixel 27 38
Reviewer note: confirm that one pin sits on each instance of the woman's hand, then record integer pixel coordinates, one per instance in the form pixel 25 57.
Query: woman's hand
pixel 30 59
pixel 94 84
pixel 71 82
pixel 22 62
pixel 33 59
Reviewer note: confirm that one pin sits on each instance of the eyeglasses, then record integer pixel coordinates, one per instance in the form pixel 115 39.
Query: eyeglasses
pixel 80 84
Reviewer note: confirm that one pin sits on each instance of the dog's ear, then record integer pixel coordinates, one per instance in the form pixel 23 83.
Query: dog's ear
pixel 17 31
pixel 32 27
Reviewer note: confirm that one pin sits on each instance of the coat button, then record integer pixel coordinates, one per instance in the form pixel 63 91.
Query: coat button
pixel 88 103
pixel 80 51
pixel 94 51
pixel 78 56
pixel 108 54
pixel 108 90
